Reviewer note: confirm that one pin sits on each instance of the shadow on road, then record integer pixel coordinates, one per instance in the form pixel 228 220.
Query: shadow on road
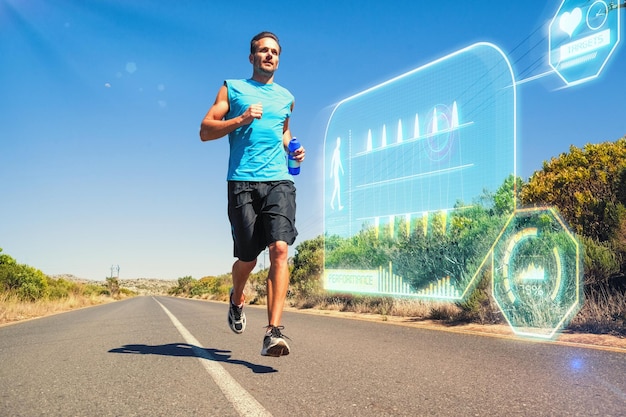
pixel 184 349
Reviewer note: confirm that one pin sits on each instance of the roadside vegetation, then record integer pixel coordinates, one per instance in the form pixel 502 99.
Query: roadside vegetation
pixel 26 292
pixel 587 186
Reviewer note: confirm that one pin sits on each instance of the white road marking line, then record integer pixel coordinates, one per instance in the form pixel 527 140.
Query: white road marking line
pixel 244 403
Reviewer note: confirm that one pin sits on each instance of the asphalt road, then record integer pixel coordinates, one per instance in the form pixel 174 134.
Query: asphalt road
pixel 165 356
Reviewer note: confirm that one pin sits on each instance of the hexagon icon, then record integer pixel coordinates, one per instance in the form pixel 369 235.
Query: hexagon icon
pixel 582 38
pixel 537 273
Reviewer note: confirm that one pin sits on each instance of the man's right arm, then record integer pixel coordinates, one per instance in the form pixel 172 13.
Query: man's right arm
pixel 214 126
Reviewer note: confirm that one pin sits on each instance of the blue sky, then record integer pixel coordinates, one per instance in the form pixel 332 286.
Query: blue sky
pixel 101 102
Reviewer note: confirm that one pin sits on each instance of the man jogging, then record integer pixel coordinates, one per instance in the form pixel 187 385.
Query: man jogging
pixel 255 113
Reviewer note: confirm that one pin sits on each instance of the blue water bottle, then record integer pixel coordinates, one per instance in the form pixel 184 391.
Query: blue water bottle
pixel 292 164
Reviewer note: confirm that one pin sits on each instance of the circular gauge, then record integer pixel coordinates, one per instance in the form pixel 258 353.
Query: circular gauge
pixel 443 134
pixel 597 15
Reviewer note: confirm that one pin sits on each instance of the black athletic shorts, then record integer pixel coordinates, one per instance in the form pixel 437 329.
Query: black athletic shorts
pixel 261 213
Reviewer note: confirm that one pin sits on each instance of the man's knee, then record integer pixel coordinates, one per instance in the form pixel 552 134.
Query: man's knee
pixel 279 251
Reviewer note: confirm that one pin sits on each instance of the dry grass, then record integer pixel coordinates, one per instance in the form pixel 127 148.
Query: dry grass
pixel 412 308
pixel 12 309
pixel 384 306
pixel 604 312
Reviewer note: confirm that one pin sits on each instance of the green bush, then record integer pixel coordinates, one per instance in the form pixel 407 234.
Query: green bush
pixel 587 185
pixel 601 262
pixel 205 285
pixel 28 283
pixel 190 287
pixel 308 263
pixel 183 287
pixel 127 292
pixel 94 290
pixel 61 288
pixel 479 306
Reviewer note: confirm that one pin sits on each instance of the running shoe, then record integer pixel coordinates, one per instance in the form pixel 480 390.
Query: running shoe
pixel 274 343
pixel 236 316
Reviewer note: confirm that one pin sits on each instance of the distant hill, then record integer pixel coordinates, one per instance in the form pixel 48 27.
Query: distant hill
pixel 148 286
pixel 142 286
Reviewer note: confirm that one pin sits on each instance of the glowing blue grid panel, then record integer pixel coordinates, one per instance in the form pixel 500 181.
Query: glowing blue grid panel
pixel 429 141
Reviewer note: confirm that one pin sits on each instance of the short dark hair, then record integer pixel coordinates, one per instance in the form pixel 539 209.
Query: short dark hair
pixel 260 36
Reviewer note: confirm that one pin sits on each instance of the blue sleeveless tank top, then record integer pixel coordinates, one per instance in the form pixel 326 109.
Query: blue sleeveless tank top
pixel 256 150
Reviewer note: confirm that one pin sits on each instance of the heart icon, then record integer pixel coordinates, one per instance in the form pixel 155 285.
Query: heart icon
pixel 569 21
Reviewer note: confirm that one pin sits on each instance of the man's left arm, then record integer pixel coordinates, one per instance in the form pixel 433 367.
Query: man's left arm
pixel 299 153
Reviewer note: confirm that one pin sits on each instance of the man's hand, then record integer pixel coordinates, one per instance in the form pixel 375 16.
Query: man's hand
pixel 255 111
pixel 299 154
